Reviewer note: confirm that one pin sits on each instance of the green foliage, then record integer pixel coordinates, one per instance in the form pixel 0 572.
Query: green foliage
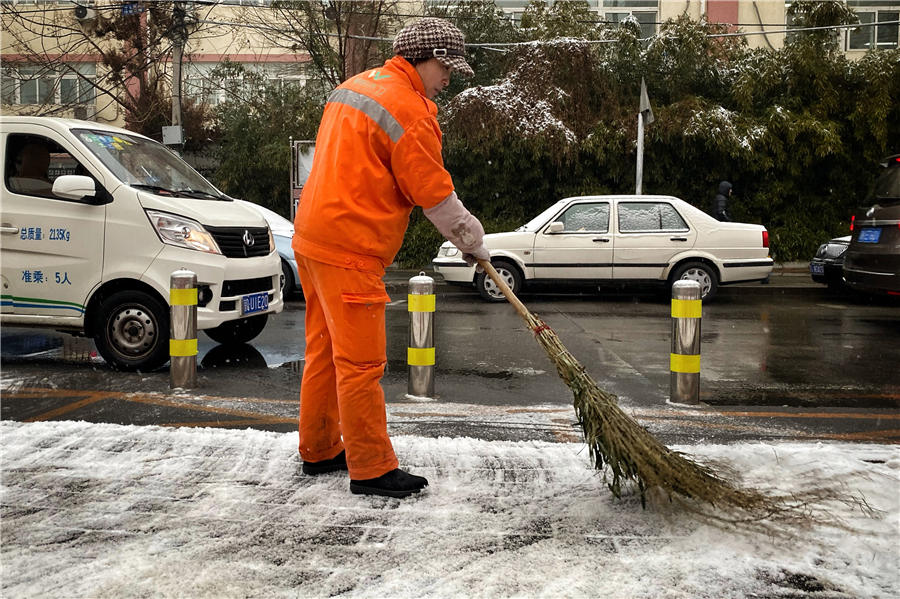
pixel 421 242
pixel 481 22
pixel 543 20
pixel 683 60
pixel 872 119
pixel 254 127
pixel 815 13
pixel 799 131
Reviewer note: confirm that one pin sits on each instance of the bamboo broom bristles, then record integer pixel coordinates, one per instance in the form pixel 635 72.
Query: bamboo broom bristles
pixel 630 453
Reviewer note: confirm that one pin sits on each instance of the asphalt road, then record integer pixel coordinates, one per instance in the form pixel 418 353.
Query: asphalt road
pixel 787 360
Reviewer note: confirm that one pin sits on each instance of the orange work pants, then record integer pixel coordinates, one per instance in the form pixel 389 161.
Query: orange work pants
pixel 341 399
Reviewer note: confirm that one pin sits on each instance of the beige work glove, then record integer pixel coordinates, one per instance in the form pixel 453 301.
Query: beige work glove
pixel 460 228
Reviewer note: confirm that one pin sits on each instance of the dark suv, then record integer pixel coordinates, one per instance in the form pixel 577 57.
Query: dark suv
pixel 872 262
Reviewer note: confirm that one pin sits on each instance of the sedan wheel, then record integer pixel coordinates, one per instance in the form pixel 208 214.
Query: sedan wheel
pixel 702 274
pixel 489 290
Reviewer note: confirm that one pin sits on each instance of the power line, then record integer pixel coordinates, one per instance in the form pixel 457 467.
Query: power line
pixel 799 29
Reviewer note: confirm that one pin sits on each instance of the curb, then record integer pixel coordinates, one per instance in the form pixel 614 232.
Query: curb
pixel 786 278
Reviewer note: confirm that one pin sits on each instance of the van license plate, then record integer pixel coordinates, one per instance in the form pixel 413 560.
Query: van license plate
pixel 817 269
pixel 255 302
pixel 869 235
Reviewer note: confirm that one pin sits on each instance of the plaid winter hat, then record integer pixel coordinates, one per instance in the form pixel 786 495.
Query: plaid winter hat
pixel 434 38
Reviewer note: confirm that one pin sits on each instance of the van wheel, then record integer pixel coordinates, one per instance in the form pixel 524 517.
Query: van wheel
pixel 489 290
pixel 238 331
pixel 133 331
pixel 700 272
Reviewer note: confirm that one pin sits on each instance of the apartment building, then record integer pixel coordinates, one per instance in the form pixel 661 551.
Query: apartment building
pixel 51 63
pixel 64 82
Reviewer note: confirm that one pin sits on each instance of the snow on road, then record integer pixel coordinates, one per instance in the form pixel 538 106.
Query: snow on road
pixel 99 510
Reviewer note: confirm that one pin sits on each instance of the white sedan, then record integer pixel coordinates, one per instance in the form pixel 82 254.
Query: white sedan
pixel 602 239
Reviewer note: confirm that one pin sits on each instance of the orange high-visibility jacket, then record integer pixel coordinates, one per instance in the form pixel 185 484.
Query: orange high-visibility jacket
pixel 378 154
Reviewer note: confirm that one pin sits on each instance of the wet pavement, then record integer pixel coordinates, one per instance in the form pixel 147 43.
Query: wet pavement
pixel 787 359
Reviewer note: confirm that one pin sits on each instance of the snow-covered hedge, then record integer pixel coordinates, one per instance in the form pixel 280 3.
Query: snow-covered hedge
pixel 799 131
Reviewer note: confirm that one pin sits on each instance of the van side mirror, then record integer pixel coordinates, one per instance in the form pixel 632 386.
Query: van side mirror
pixel 74 187
pixel 556 227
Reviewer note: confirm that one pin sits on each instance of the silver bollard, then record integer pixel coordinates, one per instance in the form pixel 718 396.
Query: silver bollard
pixel 684 361
pixel 420 353
pixel 183 330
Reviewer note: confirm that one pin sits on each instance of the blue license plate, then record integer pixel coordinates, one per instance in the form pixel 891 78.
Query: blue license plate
pixel 817 269
pixel 869 235
pixel 255 302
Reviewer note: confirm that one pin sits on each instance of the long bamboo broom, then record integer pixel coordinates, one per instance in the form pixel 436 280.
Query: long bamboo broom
pixel 634 456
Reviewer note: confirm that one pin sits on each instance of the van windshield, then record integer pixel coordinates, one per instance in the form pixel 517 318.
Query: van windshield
pixel 144 163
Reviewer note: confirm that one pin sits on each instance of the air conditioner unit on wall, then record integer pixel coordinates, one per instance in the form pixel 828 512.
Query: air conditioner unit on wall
pixel 83 13
pixel 80 113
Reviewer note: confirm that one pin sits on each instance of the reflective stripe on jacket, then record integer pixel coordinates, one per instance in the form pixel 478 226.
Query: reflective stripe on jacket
pixel 378 154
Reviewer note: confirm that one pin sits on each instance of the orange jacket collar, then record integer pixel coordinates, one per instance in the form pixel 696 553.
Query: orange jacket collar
pixel 401 64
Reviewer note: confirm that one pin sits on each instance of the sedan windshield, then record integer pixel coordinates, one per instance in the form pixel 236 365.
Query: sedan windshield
pixel 146 164
pixel 538 221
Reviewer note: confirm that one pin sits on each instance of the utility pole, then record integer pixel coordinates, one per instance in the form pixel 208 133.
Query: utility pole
pixel 639 174
pixel 179 38
pixel 645 114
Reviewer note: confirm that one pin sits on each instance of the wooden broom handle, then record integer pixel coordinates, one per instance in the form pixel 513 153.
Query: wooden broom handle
pixel 510 296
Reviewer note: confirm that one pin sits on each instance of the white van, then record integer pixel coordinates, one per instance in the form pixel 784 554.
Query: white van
pixel 95 219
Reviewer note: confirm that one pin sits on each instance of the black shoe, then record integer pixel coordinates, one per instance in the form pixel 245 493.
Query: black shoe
pixel 395 483
pixel 338 462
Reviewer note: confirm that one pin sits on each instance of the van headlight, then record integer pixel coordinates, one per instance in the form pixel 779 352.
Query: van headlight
pixel 448 252
pixel 271 240
pixel 184 232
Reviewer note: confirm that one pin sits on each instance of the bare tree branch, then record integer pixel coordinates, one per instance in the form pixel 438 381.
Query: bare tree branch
pixel 132 53
pixel 327 32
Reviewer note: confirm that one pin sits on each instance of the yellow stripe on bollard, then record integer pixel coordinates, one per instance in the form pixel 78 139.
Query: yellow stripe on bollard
pixel 420 356
pixel 684 363
pixel 183 297
pixel 420 303
pixel 182 347
pixel 686 308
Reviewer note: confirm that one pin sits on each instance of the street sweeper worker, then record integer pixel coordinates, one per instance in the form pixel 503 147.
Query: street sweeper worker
pixel 378 155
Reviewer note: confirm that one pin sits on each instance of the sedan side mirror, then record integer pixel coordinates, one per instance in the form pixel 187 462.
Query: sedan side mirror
pixel 556 227
pixel 74 187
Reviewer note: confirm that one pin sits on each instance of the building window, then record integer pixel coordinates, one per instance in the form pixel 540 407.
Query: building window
pixel 202 84
pixel 875 36
pixel 9 86
pixel 72 84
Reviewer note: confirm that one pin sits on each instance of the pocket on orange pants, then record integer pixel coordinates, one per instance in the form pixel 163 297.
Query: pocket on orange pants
pixel 374 296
